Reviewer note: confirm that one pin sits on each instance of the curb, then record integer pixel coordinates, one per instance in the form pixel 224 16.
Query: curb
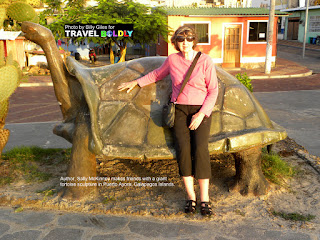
pixel 283 76
pixel 313 160
pixel 307 48
pixel 49 84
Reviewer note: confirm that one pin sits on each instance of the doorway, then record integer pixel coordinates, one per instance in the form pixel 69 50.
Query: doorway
pixel 293 28
pixel 232 46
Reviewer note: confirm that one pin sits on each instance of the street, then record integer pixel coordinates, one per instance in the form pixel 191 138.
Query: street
pixel 298 111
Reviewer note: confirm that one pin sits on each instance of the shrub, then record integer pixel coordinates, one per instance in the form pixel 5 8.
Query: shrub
pixel 276 169
pixel 245 80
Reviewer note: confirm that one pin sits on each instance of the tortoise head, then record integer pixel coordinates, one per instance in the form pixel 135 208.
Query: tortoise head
pixel 37 33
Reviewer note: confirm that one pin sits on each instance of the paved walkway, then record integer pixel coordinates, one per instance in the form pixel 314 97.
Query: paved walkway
pixel 47 225
pixel 298 112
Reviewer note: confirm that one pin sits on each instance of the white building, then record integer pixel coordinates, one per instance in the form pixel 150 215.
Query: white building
pixel 237 4
pixel 198 3
pixel 172 3
pixel 284 5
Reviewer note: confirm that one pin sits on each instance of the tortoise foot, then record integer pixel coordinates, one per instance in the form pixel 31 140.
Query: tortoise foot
pixel 245 188
pixel 64 130
pixel 79 193
pixel 249 178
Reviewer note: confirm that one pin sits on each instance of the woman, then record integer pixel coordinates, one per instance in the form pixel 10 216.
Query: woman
pixel 193 111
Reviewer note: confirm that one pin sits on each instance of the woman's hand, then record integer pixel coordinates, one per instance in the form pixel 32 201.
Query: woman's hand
pixel 196 120
pixel 128 85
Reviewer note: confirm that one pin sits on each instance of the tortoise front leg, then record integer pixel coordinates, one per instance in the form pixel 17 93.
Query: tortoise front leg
pixel 249 177
pixel 82 162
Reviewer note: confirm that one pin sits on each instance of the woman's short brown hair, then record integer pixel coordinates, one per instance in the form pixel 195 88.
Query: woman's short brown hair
pixel 181 31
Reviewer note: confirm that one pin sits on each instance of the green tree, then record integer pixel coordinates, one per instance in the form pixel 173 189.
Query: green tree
pixel 147 23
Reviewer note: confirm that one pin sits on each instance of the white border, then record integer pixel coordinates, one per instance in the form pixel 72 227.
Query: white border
pixel 224 25
pixel 248 27
pixel 217 60
pixel 200 22
pixel 247 60
pixel 256 59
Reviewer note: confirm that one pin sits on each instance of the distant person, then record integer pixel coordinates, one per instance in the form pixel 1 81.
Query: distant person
pixel 92 56
pixel 117 58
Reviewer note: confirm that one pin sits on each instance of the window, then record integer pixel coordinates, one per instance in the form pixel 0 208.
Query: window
pixel 314 24
pixel 258 31
pixel 202 30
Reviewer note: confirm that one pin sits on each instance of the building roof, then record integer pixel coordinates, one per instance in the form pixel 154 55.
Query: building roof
pixel 301 8
pixel 8 35
pixel 190 11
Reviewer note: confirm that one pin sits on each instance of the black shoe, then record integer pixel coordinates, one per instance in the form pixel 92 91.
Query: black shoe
pixel 190 206
pixel 206 209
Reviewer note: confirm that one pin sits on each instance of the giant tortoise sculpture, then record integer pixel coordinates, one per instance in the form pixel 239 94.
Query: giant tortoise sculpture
pixel 98 119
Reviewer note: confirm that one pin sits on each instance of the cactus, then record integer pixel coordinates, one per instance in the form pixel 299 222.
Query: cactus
pixel 2 16
pixel 18 10
pixel 36 19
pixel 10 77
pixel 1 54
pixel 3 112
pixel 10 71
pixel 21 11
pixel 34 3
pixel 5 3
pixel 4 133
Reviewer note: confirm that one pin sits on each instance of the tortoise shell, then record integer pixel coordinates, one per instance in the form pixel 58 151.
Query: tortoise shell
pixel 129 125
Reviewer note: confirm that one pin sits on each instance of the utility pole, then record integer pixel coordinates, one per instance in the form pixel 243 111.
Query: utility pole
pixel 305 29
pixel 267 69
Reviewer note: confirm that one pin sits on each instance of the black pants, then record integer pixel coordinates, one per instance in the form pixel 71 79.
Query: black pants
pixel 192 146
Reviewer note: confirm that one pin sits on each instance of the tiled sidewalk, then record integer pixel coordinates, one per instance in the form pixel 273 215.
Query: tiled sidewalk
pixel 283 69
pixel 33 104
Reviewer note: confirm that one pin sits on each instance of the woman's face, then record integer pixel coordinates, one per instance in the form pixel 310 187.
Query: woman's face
pixel 185 43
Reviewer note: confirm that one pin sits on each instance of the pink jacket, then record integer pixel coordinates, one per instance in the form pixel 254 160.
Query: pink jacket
pixel 202 87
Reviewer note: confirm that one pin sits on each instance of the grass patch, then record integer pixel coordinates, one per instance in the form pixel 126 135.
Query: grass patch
pixel 293 216
pixel 19 209
pixel 239 212
pixel 276 169
pixel 107 200
pixel 4 180
pixel 48 191
pixel 23 163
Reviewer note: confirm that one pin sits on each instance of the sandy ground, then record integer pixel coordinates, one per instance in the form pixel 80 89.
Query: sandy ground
pixel 166 202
